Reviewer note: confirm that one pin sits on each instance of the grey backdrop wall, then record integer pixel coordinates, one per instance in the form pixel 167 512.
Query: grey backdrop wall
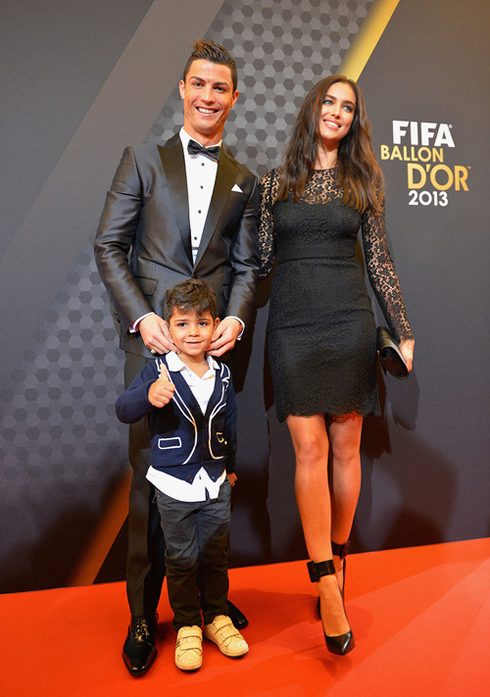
pixel 82 80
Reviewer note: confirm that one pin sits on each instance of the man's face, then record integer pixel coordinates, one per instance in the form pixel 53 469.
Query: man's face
pixel 208 97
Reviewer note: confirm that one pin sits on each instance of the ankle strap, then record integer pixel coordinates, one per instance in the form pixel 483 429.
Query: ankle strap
pixel 319 569
pixel 341 550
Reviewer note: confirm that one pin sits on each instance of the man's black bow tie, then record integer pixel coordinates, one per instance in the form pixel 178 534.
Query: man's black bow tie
pixel 194 148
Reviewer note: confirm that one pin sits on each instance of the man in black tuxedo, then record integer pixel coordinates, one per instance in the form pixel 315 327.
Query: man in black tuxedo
pixel 183 209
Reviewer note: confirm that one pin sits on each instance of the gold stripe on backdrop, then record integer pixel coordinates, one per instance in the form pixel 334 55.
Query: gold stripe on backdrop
pixel 112 519
pixel 368 36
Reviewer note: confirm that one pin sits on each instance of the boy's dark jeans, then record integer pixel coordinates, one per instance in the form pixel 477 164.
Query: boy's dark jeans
pixel 197 539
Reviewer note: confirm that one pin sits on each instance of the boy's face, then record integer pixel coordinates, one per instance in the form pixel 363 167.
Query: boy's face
pixel 192 332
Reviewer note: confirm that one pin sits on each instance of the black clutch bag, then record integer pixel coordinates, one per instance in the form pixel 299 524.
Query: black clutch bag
pixel 390 357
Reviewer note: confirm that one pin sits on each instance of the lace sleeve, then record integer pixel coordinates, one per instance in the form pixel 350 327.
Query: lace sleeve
pixel 268 187
pixel 382 274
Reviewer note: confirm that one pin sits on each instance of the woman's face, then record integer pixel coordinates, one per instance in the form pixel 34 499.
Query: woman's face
pixel 337 113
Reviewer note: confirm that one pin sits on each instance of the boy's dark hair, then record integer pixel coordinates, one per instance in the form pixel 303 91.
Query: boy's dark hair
pixel 209 50
pixel 192 295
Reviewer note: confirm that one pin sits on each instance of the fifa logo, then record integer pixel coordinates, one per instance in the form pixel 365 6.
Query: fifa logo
pixel 425 133
pixel 422 146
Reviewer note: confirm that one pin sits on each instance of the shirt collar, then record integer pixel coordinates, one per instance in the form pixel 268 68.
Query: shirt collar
pixel 185 138
pixel 175 364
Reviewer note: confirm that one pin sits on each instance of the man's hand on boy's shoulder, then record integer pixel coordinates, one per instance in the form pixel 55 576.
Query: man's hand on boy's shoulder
pixel 224 336
pixel 156 334
pixel 162 390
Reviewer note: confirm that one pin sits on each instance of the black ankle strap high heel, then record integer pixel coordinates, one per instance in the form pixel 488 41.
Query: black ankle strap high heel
pixel 341 551
pixel 342 643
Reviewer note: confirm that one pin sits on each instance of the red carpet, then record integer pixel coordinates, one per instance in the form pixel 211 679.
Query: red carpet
pixel 421 618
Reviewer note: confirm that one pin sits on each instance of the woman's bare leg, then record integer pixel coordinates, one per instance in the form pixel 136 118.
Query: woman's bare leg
pixel 345 478
pixel 311 445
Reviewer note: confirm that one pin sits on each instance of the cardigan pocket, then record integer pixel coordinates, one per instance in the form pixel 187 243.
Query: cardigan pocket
pixel 169 443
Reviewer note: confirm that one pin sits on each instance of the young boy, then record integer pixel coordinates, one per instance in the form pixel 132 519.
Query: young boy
pixel 191 405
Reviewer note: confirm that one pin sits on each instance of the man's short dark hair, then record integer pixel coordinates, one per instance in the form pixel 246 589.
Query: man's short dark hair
pixel 192 295
pixel 209 50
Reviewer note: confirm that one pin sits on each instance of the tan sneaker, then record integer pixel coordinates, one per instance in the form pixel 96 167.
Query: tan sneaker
pixel 188 648
pixel 226 636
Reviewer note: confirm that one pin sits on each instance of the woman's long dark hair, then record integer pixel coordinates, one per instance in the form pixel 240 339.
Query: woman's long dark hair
pixel 357 168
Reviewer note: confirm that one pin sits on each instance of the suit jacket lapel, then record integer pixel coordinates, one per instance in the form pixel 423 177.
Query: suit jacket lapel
pixel 172 157
pixel 225 178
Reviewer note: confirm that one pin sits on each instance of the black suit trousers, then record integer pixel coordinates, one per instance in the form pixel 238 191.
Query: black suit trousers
pixel 145 569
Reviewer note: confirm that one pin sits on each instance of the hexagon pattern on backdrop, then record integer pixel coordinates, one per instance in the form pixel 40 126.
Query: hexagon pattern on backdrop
pixel 61 444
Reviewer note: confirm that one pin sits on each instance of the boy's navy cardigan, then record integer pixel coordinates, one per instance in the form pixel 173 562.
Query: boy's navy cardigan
pixel 183 439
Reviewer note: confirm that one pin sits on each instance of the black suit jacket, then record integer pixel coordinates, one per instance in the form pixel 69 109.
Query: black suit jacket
pixel 143 245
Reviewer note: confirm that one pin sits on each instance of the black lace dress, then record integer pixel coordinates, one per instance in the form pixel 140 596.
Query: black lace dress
pixel 321 331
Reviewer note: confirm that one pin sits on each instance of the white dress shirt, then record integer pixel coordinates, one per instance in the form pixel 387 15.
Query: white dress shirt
pixel 201 173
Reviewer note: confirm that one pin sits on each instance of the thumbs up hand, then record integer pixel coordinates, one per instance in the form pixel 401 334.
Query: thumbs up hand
pixel 162 390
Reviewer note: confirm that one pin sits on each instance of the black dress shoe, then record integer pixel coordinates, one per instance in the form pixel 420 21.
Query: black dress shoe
pixel 139 649
pixel 236 616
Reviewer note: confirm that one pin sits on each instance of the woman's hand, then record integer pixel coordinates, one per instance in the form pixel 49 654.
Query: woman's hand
pixel 406 348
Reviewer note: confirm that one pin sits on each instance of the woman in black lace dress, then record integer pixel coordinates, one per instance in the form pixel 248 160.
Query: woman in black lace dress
pixel 322 333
